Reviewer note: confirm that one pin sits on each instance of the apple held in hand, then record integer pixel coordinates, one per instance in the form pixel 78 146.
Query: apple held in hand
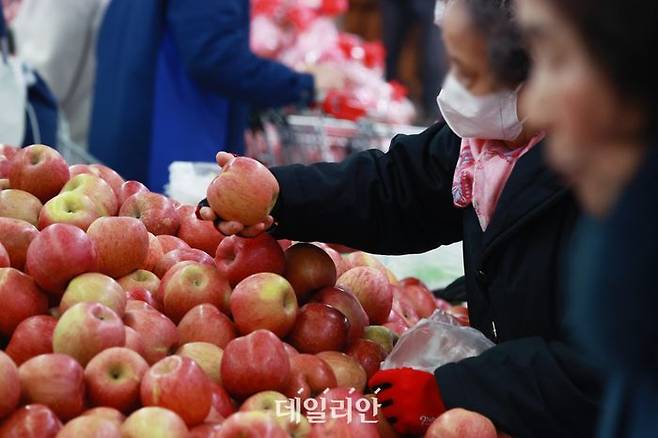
pixel 20 298
pixel 205 323
pixel 31 421
pixel 309 268
pixel 349 373
pixel 197 233
pixel 254 363
pixel 245 191
pixel 58 254
pixel 97 190
pixel 39 170
pixel 179 384
pixel 10 390
pixel 157 332
pixel 16 236
pixel 54 380
pixel 264 301
pixel 154 422
pixel 175 256
pixel 21 205
pixel 348 305
pixel 122 244
pixel 189 284
pixel 86 329
pixel 32 337
pixel 208 356
pixel 95 288
pixel 239 257
pixel 113 378
pixel 319 328
pixel 372 290
pixel 460 423
pixel 155 210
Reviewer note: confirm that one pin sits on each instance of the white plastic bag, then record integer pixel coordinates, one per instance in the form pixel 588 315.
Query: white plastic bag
pixel 434 342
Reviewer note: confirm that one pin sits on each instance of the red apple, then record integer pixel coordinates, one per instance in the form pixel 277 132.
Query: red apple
pixel 179 384
pixel 16 236
pixel 372 290
pixel 222 405
pixel 319 328
pixel 130 188
pixel 154 253
pixel 290 350
pixel 135 305
pixel 197 233
pixel 208 356
pixel 348 371
pixel 109 175
pixel 154 422
pixel 245 191
pixel 31 421
pixel 309 376
pixel 309 268
pixel 239 257
pixel 205 323
pixel 58 254
pixel 4 257
pixel 21 205
pixel 97 288
pixel 278 406
pixel 174 256
pixel 97 190
pixel 170 243
pixel 158 333
pixel 339 262
pixel 113 378
pixel 10 390
pixel 32 337
pixel 189 284
pixel 155 210
pixel 264 301
pixel 243 373
pixel 362 259
pixel 403 306
pixel 252 424
pixel 369 354
pixel 460 423
pixel 106 413
pixel 420 296
pixel 122 244
pixel 348 305
pixel 134 341
pixel 39 170
pixel 141 294
pixel 382 336
pixel 20 298
pixel 55 380
pixel 140 279
pixel 86 329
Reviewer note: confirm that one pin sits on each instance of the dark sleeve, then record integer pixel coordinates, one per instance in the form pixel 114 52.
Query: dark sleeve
pixel 527 387
pixel 213 40
pixel 394 203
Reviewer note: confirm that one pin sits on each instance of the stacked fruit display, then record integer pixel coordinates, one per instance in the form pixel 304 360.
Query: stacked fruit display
pixel 123 314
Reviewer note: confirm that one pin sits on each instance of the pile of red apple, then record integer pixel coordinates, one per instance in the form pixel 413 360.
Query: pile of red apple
pixel 122 314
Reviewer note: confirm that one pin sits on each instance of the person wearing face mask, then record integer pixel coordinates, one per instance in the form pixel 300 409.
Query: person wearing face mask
pixel 593 89
pixel 481 179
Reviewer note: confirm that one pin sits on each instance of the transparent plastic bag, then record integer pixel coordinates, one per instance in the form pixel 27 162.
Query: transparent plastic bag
pixel 434 342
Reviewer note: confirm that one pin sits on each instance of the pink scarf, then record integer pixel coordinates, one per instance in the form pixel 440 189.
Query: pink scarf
pixel 482 171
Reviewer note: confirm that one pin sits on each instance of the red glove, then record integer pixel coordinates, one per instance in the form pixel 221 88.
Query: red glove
pixel 410 399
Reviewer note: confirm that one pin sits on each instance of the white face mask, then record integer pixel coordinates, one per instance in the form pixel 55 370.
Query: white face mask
pixel 489 117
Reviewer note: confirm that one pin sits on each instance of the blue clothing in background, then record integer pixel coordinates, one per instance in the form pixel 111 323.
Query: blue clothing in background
pixel 176 81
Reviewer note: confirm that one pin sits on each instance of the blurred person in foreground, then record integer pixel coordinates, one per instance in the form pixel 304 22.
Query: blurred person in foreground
pixel 176 81
pixel 480 178
pixel 594 88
